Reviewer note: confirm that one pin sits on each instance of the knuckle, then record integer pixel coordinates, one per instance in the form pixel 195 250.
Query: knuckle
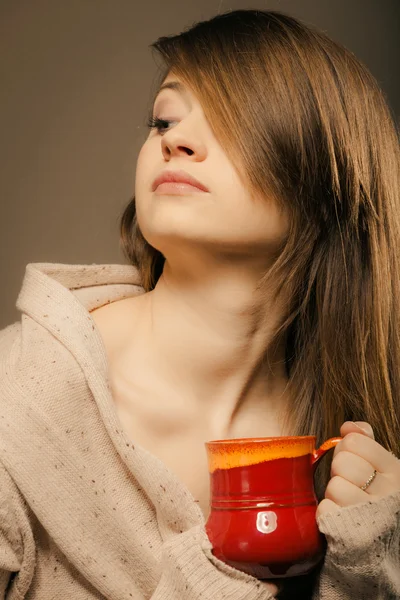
pixel 367 427
pixel 339 462
pixel 333 488
pixel 322 506
pixel 396 476
pixel 351 441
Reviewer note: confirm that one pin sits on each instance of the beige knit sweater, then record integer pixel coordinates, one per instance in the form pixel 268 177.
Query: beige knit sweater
pixel 85 513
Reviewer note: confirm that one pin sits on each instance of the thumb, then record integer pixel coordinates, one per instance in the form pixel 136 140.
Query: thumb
pixel 357 427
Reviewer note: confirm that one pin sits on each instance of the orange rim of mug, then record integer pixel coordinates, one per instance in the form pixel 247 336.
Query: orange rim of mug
pixel 241 452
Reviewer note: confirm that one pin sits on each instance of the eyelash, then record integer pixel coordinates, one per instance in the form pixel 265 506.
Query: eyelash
pixel 156 123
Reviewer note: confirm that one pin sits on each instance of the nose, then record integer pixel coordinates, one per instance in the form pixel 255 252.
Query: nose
pixel 176 143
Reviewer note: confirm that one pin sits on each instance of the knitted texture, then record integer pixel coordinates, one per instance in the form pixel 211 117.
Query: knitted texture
pixel 86 513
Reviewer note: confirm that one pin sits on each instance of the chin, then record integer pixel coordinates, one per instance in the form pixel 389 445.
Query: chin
pixel 168 227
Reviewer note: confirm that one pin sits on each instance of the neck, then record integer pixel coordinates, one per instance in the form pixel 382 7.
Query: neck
pixel 205 343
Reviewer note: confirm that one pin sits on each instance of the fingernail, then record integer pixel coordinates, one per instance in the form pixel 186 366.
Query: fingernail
pixel 362 427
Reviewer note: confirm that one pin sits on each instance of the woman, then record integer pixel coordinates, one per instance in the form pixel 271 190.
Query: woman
pixel 263 302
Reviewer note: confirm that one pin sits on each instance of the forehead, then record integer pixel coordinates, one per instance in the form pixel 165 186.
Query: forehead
pixel 174 83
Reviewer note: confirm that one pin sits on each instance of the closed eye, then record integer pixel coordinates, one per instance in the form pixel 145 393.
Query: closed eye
pixel 159 124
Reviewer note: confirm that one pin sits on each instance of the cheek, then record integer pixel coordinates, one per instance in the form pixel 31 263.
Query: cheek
pixel 275 218
pixel 143 175
pixel 281 224
pixel 263 220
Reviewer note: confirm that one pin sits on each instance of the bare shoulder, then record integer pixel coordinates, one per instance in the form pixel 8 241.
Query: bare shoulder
pixel 117 321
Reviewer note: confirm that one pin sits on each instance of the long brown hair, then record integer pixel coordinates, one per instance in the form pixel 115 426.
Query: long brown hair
pixel 309 126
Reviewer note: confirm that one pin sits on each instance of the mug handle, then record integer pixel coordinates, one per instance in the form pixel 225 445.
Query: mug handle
pixel 319 453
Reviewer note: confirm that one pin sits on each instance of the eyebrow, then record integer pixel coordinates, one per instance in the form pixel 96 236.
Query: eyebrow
pixel 172 85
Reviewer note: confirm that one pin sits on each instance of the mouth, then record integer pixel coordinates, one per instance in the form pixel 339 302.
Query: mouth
pixel 177 188
pixel 172 181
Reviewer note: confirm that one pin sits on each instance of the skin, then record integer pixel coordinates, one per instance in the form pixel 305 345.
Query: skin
pixel 354 461
pixel 195 347
pixel 217 245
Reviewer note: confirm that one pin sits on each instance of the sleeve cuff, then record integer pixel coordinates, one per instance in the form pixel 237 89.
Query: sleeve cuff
pixel 191 571
pixel 363 527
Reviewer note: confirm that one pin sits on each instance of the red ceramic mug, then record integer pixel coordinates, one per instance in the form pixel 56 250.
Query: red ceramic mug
pixel 263 504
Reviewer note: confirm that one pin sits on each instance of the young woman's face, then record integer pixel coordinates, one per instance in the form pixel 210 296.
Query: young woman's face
pixel 223 220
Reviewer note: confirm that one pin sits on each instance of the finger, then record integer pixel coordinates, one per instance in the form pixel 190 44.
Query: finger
pixel 357 427
pixel 351 467
pixel 361 427
pixel 272 587
pixel 343 493
pixel 358 471
pixel 361 445
pixel 326 506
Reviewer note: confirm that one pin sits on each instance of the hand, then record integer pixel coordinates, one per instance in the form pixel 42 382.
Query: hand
pixel 272 587
pixel 354 461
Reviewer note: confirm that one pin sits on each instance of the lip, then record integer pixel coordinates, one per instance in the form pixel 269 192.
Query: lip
pixel 178 177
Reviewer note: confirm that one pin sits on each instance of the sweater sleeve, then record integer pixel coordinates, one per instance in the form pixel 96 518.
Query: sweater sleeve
pixel 190 571
pixel 363 552
pixel 362 561
pixel 17 553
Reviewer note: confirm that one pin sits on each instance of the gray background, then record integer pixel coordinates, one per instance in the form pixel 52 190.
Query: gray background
pixel 76 81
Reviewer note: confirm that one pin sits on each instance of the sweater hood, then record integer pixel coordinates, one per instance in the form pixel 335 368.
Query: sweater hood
pixel 50 289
